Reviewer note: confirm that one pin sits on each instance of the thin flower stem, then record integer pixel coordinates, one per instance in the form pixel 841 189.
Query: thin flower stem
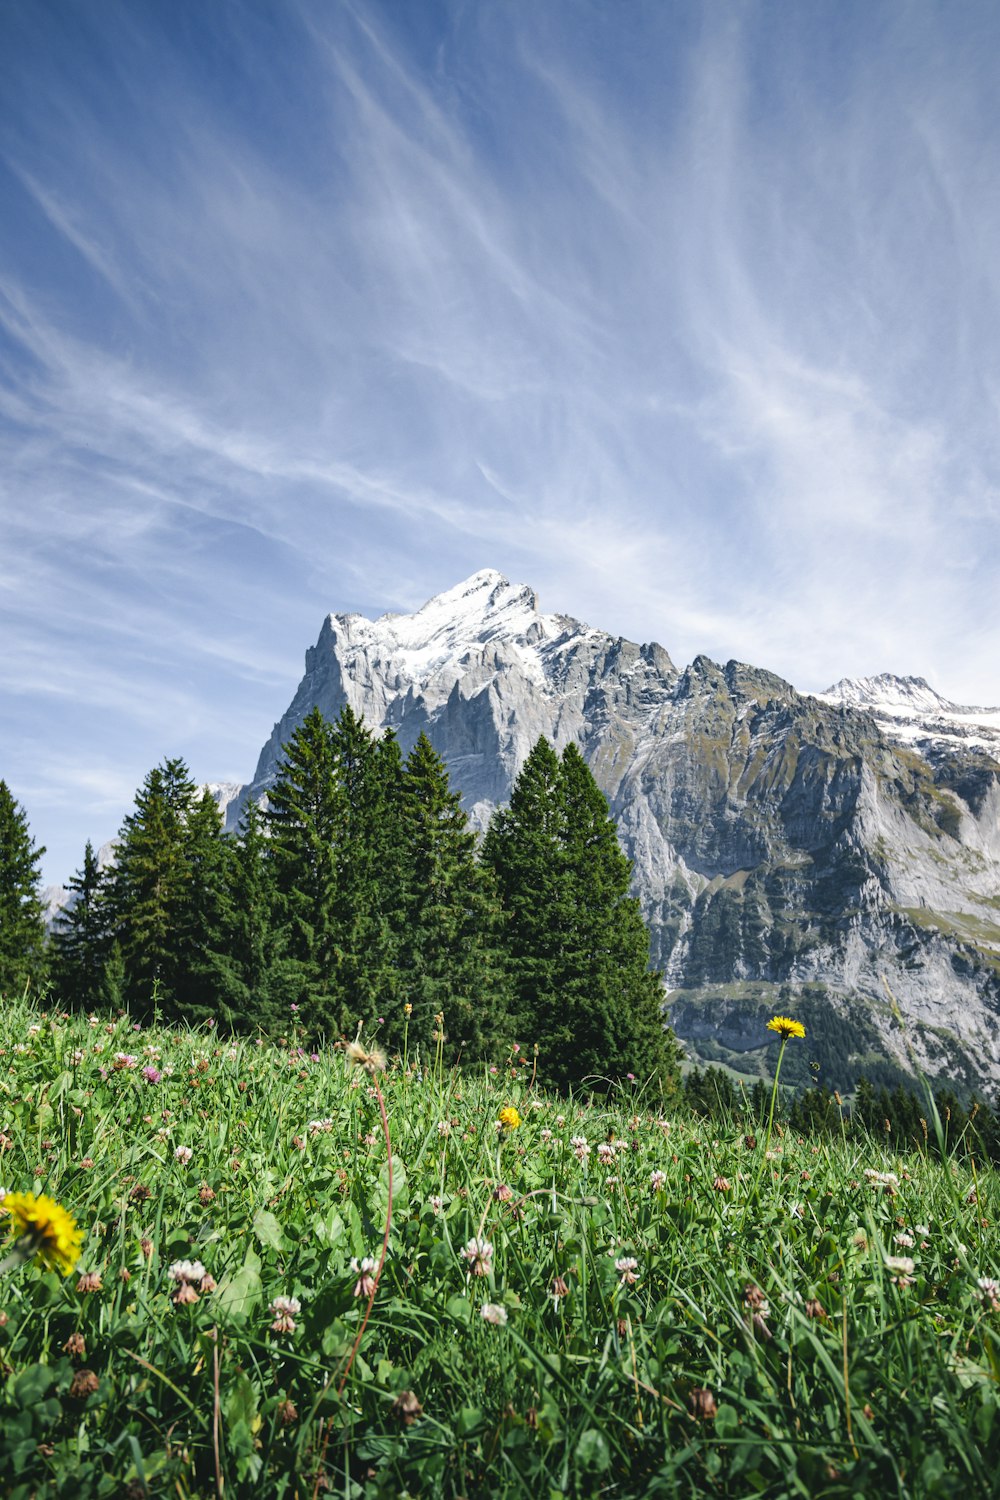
pixel 371 1296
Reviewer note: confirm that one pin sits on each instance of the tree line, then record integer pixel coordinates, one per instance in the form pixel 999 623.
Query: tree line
pixel 900 1117
pixel 359 895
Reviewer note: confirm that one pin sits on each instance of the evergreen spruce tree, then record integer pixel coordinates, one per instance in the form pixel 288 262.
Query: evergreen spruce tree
pixel 81 940
pixel 202 919
pixel 578 948
pixel 303 820
pixel 251 992
pixel 22 924
pixel 448 958
pixel 148 890
pixel 367 776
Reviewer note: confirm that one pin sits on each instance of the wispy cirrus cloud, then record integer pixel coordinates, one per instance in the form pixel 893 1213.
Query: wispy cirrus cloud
pixel 685 317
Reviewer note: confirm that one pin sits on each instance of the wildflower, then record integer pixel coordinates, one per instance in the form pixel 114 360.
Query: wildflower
pixel 580 1148
pixel 722 1185
pixel 207 1283
pixel 900 1263
pixel 151 1074
pixel 87 1163
pixel 815 1309
pixel 545 1135
pixel 205 1193
pixel 923 1230
pixel 503 1192
pixel 83 1384
pixel 435 1202
pixel 186 1271
pixel 372 1059
pixel 785 1027
pixel 42 1227
pixel 363 1269
pixel 287 1413
pixel 479 1254
pixel 284 1310
pixel 701 1403
pixel 90 1281
pixel 905 1240
pixel 406 1408
pixel 989 1291
pixel 657 1180
pixel 444 1127
pixel 626 1266
pixel 183 1154
pixel 407 1009
pixel 509 1117
pixel 76 1346
pixel 492 1312
pixel 559 1289
pixel 888 1181
pixel 123 1061
pixel 185 1293
pixel 605 1153
pixel 146 1246
pixel 320 1127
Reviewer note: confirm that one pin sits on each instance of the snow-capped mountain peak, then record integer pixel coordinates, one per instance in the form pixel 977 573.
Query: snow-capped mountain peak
pixel 891 694
pixel 909 709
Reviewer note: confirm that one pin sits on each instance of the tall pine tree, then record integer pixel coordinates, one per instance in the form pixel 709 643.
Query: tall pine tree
pixel 250 992
pixel 148 890
pixel 303 820
pixel 22 924
pixel 81 939
pixel 578 949
pixel 448 958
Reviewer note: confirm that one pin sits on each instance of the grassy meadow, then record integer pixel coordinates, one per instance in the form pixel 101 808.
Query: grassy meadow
pixel 597 1297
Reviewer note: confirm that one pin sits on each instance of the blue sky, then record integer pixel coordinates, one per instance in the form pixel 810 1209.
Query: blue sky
pixel 687 314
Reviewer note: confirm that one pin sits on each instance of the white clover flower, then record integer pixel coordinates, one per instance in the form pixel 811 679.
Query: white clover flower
pixel 183 1154
pixel 904 1240
pixel 479 1254
pixel 901 1264
pixel 186 1270
pixel 657 1180
pixel 492 1312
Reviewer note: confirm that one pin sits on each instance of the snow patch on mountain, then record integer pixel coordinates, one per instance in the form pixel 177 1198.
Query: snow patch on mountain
pixel 909 710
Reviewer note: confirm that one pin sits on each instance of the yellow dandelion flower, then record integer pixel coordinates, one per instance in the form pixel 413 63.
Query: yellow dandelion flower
pixel 785 1027
pixel 509 1117
pixel 42 1227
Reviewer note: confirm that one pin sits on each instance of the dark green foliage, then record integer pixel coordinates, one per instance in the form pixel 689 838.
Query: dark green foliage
pixel 302 822
pixel 204 917
pixel 578 951
pixel 81 941
pixel 365 897
pixel 250 989
pixel 448 960
pixel 149 888
pixel 22 926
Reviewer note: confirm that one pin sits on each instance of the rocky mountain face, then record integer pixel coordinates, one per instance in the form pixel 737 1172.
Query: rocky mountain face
pixel 791 853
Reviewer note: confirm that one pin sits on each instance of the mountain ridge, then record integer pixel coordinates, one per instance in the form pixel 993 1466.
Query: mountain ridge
pixel 788 848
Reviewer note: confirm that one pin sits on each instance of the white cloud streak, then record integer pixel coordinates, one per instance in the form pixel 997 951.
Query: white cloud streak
pixel 685 318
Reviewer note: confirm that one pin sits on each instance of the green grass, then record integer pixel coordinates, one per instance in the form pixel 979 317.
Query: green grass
pixel 892 1391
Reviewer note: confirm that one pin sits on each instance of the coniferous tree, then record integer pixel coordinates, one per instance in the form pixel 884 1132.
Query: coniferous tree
pixel 81 940
pixel 148 889
pixel 251 981
pixel 448 959
pixel 202 918
pixel 22 921
pixel 367 774
pixel 302 821
pixel 578 949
